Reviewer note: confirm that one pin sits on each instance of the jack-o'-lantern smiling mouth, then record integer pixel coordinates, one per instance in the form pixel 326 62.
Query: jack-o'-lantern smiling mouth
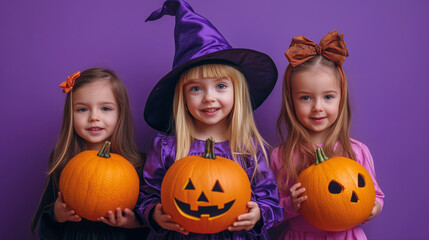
pixel 203 211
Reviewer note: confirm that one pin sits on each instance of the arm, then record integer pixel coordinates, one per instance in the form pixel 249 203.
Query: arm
pixel 285 199
pixel 148 208
pixel 49 228
pixel 364 157
pixel 265 194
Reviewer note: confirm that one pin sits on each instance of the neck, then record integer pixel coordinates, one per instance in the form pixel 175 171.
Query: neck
pixel 218 132
pixel 318 138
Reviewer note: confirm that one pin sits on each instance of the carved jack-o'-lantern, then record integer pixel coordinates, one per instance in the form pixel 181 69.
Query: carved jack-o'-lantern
pixel 205 194
pixel 340 193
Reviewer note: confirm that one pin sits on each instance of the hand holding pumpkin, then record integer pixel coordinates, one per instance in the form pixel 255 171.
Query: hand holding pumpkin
pixel 295 199
pixel 375 211
pixel 248 220
pixel 125 220
pixel 62 213
pixel 163 220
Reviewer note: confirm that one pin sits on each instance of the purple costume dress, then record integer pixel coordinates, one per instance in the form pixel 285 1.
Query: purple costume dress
pixel 162 156
pixel 296 227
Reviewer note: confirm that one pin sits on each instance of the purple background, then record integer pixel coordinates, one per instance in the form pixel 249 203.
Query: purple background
pixel 44 41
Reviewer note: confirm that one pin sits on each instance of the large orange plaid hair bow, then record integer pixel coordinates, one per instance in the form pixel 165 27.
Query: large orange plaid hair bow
pixel 301 49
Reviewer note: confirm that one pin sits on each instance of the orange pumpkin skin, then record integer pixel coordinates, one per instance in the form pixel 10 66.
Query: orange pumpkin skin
pixel 93 185
pixel 194 186
pixel 352 199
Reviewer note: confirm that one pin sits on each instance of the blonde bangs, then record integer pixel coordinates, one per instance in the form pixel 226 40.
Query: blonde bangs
pixel 210 71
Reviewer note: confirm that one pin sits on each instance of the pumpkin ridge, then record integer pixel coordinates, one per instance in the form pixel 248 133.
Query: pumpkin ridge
pixel 75 178
pixel 90 186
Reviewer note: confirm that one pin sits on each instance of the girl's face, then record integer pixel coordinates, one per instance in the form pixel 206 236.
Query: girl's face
pixel 209 100
pixel 316 97
pixel 95 113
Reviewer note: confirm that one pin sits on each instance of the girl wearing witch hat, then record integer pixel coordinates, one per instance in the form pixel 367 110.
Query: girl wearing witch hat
pixel 211 91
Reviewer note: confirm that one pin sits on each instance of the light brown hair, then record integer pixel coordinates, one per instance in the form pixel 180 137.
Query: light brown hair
pixel 297 141
pixel 69 143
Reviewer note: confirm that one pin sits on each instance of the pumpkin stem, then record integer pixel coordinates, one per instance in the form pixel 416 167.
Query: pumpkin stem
pixel 104 151
pixel 209 149
pixel 320 156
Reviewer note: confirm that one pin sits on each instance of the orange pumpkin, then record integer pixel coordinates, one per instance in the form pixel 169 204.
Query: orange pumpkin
pixel 205 194
pixel 340 193
pixel 93 183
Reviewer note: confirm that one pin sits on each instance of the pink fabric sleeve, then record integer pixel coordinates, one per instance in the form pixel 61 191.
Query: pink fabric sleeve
pixel 363 157
pixel 285 203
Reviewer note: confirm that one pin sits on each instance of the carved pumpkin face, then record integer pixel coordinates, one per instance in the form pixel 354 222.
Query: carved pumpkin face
pixel 340 193
pixel 205 195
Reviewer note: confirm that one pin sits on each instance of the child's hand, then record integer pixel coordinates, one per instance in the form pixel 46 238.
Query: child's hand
pixel 62 213
pixel 126 220
pixel 163 220
pixel 248 220
pixel 296 201
pixel 375 211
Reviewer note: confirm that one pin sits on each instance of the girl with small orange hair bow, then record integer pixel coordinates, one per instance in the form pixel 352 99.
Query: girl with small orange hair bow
pixel 96 109
pixel 316 112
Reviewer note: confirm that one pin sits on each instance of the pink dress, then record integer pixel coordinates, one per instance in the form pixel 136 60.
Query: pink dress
pixel 294 226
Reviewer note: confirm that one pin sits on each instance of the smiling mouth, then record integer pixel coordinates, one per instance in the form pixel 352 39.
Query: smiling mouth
pixel 211 110
pixel 95 129
pixel 318 118
pixel 211 211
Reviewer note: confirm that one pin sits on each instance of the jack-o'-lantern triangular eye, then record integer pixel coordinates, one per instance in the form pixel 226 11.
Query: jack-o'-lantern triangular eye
pixel 361 181
pixel 217 187
pixel 190 186
pixel 334 187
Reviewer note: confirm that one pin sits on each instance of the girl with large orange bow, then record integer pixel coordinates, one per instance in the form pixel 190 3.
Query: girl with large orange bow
pixel 316 112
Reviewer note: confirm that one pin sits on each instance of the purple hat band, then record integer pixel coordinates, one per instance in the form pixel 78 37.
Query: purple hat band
pixel 194 35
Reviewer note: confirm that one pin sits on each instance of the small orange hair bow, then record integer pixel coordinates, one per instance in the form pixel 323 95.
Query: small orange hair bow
pixel 332 46
pixel 68 84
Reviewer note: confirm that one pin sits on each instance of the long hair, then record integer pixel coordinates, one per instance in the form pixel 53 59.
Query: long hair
pixel 69 143
pixel 297 143
pixel 244 137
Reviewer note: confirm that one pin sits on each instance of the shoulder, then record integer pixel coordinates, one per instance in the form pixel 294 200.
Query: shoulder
pixel 275 158
pixel 361 150
pixel 163 139
pixel 163 144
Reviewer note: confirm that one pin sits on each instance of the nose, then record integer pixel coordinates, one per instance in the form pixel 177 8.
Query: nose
pixel 94 116
pixel 209 96
pixel 318 106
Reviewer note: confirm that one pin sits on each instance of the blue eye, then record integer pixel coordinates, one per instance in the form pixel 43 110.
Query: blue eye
pixel 221 86
pixel 82 109
pixel 305 98
pixel 106 109
pixel 329 97
pixel 195 89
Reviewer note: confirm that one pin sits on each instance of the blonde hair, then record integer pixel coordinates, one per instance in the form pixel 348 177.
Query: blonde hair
pixel 244 137
pixel 298 140
pixel 69 143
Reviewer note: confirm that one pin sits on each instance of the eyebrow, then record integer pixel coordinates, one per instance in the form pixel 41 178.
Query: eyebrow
pixel 331 91
pixel 102 103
